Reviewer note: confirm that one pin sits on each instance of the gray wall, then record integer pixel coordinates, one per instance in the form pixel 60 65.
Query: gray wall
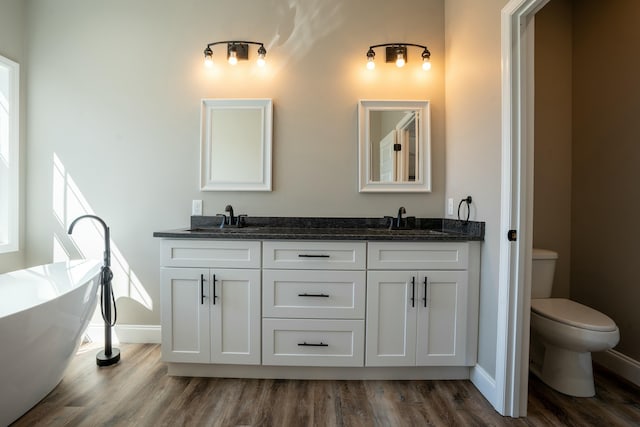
pixel 606 155
pixel 553 137
pixel 587 152
pixel 473 124
pixel 13 46
pixel 114 94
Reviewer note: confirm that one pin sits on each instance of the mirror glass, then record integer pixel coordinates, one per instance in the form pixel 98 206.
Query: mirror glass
pixel 236 145
pixel 394 146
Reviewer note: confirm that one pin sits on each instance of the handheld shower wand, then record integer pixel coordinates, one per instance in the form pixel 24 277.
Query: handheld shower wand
pixel 109 355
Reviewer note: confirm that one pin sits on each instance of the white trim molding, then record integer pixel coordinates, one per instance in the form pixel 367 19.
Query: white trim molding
pixel 143 334
pixel 516 207
pixel 9 158
pixel 619 364
pixel 484 383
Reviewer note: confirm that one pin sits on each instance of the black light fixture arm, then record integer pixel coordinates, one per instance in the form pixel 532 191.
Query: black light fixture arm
pixel 234 42
pixel 397 52
pixel 236 50
pixel 398 45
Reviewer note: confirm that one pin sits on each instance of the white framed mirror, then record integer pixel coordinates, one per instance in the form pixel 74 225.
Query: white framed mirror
pixel 235 151
pixel 394 146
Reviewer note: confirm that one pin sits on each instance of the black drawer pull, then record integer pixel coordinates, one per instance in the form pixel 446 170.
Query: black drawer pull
pixel 306 344
pixel 314 295
pixel 413 291
pixel 313 256
pixel 202 289
pixel 215 297
pixel 426 284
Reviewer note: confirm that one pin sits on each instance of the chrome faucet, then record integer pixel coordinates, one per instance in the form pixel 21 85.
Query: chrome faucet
pixel 401 211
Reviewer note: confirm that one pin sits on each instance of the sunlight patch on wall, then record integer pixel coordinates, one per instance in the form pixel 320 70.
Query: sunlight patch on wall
pixel 87 240
pixel 303 23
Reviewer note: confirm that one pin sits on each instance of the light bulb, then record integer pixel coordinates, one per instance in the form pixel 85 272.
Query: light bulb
pixel 426 59
pixel 400 60
pixel 208 58
pixel 261 54
pixel 371 63
pixel 233 57
pixel 371 56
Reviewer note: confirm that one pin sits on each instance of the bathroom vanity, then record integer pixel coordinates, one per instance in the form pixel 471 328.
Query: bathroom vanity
pixel 320 298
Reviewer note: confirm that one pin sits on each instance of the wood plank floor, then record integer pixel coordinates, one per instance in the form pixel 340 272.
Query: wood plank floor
pixel 138 392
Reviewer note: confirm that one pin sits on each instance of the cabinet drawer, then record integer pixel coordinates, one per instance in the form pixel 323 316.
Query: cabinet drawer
pixel 303 342
pixel 418 256
pixel 210 253
pixel 313 294
pixel 315 255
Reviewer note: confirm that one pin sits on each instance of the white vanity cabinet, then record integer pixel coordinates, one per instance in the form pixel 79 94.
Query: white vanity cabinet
pixel 319 309
pixel 313 303
pixel 422 304
pixel 210 301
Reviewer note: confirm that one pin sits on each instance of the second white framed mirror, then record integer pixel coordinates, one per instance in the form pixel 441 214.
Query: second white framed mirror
pixel 394 146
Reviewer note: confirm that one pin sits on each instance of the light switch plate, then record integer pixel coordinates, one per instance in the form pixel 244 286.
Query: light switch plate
pixel 450 206
pixel 196 208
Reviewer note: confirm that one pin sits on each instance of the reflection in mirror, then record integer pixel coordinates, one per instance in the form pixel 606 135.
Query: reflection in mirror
pixel 236 145
pixel 394 146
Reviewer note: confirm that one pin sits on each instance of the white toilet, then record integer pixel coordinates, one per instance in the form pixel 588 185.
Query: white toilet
pixel 564 333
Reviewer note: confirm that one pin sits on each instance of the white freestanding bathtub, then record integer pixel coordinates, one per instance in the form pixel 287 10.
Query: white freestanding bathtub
pixel 43 312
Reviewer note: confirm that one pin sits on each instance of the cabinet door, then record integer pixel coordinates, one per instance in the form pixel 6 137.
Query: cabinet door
pixel 235 316
pixel 185 315
pixel 391 318
pixel 442 318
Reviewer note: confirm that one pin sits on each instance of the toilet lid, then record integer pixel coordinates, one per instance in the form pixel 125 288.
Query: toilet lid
pixel 572 313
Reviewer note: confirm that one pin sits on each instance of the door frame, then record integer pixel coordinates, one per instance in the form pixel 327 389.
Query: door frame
pixel 516 206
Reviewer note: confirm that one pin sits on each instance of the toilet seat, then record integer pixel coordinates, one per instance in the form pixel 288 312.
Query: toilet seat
pixel 572 313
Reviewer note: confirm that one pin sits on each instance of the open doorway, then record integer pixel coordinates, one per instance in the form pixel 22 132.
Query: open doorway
pixel 608 135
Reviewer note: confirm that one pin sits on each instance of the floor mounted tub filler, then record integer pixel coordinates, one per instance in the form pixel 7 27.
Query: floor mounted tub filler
pixel 44 311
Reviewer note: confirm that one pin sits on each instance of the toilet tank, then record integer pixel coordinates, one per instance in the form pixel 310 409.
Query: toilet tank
pixel 543 267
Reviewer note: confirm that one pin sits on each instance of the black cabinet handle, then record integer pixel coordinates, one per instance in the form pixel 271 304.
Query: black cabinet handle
pixel 426 279
pixel 201 289
pixel 305 344
pixel 214 290
pixel 413 291
pixel 314 295
pixel 313 256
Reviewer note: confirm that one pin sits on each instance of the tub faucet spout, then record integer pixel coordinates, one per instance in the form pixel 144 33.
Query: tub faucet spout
pixel 107 238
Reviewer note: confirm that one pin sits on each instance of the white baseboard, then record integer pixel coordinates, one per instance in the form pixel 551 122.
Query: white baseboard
pixel 126 333
pixel 484 383
pixel 619 364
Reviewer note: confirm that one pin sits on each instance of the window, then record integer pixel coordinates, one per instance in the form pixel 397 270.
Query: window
pixel 9 125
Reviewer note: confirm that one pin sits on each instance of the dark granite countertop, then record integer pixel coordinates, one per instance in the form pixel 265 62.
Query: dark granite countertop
pixel 310 228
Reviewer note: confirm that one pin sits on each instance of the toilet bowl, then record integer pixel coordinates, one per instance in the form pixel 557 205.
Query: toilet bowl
pixel 569 332
pixel 564 333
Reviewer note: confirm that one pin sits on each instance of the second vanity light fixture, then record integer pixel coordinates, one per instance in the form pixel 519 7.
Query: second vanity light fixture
pixel 236 50
pixel 397 52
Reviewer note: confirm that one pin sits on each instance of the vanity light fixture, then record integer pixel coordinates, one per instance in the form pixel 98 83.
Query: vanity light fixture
pixel 236 50
pixel 397 52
